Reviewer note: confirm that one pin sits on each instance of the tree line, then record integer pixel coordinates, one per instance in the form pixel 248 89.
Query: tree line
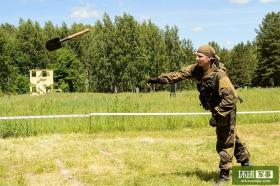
pixel 121 54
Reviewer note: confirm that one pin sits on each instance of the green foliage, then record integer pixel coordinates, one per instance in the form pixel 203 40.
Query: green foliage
pixel 68 73
pixel 121 54
pixel 173 50
pixel 22 84
pixel 268 51
pixel 225 55
pixel 244 62
pixel 154 48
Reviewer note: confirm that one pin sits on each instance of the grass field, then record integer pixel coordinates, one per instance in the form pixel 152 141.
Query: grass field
pixel 171 157
pixel 83 103
pixel 128 150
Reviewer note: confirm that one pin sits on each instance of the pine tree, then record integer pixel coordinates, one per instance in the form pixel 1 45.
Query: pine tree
pixel 268 51
pixel 243 65
pixel 225 57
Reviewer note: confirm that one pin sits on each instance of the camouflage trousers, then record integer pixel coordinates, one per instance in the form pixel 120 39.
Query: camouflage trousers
pixel 228 143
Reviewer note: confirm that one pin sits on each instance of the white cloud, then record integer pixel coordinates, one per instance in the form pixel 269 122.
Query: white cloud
pixel 269 1
pixel 239 1
pixel 196 29
pixel 84 12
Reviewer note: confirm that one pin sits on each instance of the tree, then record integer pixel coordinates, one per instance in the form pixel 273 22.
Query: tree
pixel 123 53
pixel 244 62
pixel 268 51
pixel 130 53
pixel 173 49
pixel 188 58
pixel 105 69
pixel 49 32
pixel 68 73
pixel 10 55
pixel 225 57
pixel 154 48
pixel 32 45
pixel 88 59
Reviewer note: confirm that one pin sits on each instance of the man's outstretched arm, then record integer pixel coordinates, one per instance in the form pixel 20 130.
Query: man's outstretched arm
pixel 173 77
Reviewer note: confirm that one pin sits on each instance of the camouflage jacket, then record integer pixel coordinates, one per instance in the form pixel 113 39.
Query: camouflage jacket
pixel 217 93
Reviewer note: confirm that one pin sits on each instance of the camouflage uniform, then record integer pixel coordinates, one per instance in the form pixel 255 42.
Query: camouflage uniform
pixel 218 95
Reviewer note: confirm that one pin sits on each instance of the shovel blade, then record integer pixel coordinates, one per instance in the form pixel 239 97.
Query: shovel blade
pixel 53 44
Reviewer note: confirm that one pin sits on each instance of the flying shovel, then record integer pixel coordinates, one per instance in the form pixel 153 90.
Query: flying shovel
pixel 55 43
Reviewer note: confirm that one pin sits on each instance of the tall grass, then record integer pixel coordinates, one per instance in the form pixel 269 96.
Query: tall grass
pixel 83 103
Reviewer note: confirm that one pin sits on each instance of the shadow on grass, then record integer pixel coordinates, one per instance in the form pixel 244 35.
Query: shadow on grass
pixel 202 175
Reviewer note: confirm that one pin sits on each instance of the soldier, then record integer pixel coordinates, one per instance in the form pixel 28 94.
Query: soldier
pixel 218 95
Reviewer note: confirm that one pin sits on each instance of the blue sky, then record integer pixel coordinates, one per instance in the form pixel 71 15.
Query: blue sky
pixel 227 22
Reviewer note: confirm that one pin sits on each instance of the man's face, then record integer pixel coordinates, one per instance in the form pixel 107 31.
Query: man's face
pixel 202 60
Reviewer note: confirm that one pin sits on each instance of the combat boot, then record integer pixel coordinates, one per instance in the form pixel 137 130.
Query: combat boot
pixel 246 163
pixel 223 177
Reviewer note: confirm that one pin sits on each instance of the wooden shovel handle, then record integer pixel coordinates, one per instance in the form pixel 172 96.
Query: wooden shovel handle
pixel 77 34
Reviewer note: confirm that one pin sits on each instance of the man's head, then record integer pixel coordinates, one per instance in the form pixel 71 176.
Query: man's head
pixel 208 51
pixel 205 55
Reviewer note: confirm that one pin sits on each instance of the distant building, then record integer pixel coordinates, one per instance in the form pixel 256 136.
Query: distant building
pixel 41 81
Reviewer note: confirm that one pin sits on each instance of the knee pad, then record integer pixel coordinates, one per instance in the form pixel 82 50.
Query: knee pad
pixel 241 154
pixel 225 157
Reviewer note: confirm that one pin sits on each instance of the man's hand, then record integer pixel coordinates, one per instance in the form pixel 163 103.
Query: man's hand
pixel 153 80
pixel 213 121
